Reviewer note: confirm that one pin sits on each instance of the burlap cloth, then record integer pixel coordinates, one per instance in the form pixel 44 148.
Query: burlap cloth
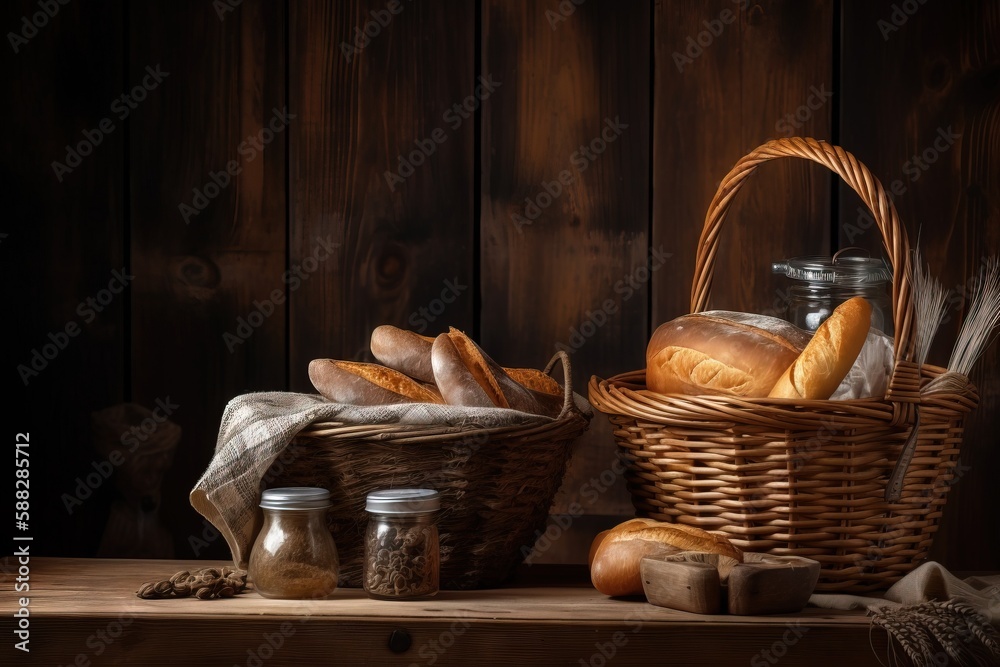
pixel 935 617
pixel 257 427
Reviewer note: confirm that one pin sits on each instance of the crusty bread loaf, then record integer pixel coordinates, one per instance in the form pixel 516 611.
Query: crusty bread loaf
pixel 404 351
pixel 614 569
pixel 721 352
pixel 410 353
pixel 357 383
pixel 535 380
pixel 818 371
pixel 466 375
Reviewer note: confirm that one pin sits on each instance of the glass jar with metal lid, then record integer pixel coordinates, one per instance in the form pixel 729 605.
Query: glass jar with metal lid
pixel 294 556
pixel 402 555
pixel 823 283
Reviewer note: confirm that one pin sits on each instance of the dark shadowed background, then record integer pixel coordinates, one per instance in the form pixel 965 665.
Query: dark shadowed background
pixel 281 177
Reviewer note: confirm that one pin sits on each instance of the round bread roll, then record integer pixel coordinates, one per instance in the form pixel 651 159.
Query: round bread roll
pixel 721 352
pixel 817 372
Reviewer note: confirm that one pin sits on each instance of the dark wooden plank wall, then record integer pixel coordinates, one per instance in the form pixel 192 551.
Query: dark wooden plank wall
pixel 404 252
pixel 698 84
pixel 723 87
pixel 932 139
pixel 62 240
pixel 565 206
pixel 198 275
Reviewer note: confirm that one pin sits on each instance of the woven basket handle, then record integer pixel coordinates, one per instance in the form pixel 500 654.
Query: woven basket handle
pixel 568 402
pixel 857 176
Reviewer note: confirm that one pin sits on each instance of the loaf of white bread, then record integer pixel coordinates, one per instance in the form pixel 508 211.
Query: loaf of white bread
pixel 754 356
pixel 721 352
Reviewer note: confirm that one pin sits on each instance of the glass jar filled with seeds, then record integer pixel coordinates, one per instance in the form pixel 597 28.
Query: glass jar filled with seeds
pixel 294 556
pixel 402 556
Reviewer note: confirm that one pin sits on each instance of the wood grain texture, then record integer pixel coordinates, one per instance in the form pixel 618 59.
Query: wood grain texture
pixel 62 229
pixel 565 251
pixel 729 76
pixel 405 242
pixel 72 601
pixel 933 139
pixel 198 275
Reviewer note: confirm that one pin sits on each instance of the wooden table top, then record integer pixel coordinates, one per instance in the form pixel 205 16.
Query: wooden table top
pixel 85 612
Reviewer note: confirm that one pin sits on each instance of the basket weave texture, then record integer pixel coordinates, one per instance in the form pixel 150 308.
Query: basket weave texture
pixel 799 478
pixel 496 484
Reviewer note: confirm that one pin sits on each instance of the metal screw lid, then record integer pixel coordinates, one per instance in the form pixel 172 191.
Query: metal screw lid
pixel 841 268
pixel 403 501
pixel 295 498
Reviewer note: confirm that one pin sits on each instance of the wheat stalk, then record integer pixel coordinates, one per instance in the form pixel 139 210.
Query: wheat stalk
pixel 983 318
pixel 929 298
pixel 962 633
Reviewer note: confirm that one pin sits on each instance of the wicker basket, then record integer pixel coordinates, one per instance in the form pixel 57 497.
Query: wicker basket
pixel 496 484
pixel 801 478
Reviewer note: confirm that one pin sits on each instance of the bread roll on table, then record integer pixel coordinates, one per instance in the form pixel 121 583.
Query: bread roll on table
pixel 614 569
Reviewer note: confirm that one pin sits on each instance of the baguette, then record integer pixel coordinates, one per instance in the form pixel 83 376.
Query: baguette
pixel 357 383
pixel 404 351
pixel 614 569
pixel 465 375
pixel 535 380
pixel 410 353
pixel 825 361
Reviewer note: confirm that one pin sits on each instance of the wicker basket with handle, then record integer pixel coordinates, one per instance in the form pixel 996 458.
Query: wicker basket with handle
pixel 800 478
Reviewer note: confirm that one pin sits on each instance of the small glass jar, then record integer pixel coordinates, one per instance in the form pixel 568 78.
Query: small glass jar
pixel 823 283
pixel 294 556
pixel 402 555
